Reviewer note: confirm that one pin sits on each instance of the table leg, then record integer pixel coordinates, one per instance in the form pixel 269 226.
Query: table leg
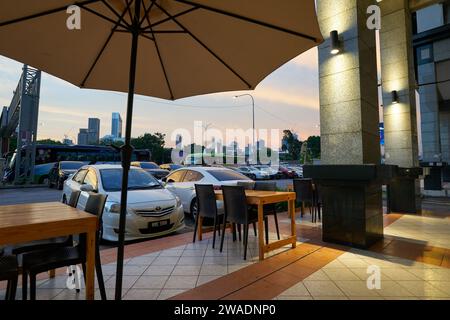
pixel 261 230
pixel 291 209
pixel 200 228
pixel 90 264
pixel 52 273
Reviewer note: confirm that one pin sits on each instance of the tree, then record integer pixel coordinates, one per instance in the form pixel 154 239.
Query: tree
pixel 291 144
pixel 49 141
pixel 153 142
pixel 314 146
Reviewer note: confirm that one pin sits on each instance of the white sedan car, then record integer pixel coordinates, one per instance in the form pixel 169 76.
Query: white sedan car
pixel 182 183
pixel 152 210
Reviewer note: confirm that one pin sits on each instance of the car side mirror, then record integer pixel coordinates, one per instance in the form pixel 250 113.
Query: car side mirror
pixel 87 188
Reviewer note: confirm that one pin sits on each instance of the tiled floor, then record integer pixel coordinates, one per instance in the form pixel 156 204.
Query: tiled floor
pixel 163 274
pixel 346 278
pixel 414 261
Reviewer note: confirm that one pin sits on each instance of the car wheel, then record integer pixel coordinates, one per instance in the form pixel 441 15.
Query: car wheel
pixel 194 208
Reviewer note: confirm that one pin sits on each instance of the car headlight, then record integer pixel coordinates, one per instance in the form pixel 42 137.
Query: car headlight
pixel 178 201
pixel 113 207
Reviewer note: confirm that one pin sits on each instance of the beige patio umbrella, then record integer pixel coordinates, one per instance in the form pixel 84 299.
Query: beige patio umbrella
pixel 168 49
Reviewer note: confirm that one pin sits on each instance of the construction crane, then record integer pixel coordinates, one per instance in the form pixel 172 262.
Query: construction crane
pixel 20 119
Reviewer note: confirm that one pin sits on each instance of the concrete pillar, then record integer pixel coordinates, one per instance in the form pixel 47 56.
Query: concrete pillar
pixel 349 114
pixel 397 74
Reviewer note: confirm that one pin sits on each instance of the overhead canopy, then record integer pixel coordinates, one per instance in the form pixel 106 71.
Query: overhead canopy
pixel 188 47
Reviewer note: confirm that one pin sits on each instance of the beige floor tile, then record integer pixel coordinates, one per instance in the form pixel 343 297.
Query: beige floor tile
pixel 330 298
pixel 367 298
pixel 298 290
pixel 431 274
pixel 134 270
pixel 398 274
pixel 150 282
pixel 444 286
pixel 142 261
pixel 335 264
pixel 159 270
pixel 169 293
pixel 186 271
pixel 164 261
pixel 181 282
pixel 171 253
pixel 213 270
pixel 190 261
pixel 356 288
pixel 319 275
pixel 47 294
pixel 422 289
pixel 391 289
pixel 323 288
pixel 355 263
pixel 340 274
pixel 205 279
pixel 127 282
pixel 294 298
pixel 142 294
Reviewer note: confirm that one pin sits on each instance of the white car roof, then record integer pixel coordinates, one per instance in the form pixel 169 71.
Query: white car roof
pixel 107 166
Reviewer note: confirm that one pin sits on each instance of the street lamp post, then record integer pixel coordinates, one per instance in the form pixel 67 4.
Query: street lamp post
pixel 253 111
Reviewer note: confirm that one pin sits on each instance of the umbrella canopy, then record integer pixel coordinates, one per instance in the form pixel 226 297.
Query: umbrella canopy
pixel 162 48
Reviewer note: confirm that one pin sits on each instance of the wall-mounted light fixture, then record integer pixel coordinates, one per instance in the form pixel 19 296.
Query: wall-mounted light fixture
pixel 395 99
pixel 335 43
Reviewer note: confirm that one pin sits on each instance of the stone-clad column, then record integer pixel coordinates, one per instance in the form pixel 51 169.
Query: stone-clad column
pixel 397 74
pixel 349 114
pixel 400 120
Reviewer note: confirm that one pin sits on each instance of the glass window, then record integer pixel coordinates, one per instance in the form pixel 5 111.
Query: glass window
pixel 71 165
pixel 91 179
pixel 227 175
pixel 79 176
pixel 138 179
pixel 176 176
pixel 192 176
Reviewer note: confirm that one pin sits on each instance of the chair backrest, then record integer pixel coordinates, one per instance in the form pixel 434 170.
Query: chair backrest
pixel 250 185
pixel 303 189
pixel 266 186
pixel 74 196
pixel 235 204
pixel 206 200
pixel 96 204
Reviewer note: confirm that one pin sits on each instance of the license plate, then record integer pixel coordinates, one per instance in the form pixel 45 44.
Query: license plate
pixel 162 223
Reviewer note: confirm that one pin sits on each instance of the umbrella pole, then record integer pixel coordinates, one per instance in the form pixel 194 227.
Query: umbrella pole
pixel 126 151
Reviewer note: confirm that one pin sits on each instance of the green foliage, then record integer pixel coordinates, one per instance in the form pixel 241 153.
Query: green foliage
pixel 49 141
pixel 154 142
pixel 292 145
pixel 314 146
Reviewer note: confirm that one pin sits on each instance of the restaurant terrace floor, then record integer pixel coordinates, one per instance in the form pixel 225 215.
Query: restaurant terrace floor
pixel 414 260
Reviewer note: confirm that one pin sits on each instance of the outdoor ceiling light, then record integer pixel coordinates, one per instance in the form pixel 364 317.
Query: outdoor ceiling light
pixel 335 43
pixel 394 97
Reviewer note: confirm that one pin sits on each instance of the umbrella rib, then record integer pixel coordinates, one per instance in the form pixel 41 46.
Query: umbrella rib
pixel 115 12
pixel 205 46
pixel 254 21
pixel 159 54
pixel 116 25
pixel 175 16
pixel 102 16
pixel 147 11
pixel 46 13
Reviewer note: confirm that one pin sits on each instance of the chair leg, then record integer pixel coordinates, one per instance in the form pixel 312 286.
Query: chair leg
pixel 276 225
pixel 99 271
pixel 245 240
pixel 24 285
pixel 214 234
pixel 266 227
pixel 195 228
pixel 223 233
pixel 254 228
pixel 239 231
pixel 13 288
pixel 83 265
pixel 8 290
pixel 233 230
pixel 32 286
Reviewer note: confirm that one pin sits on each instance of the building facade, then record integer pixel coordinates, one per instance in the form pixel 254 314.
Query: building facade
pixel 83 137
pixel 94 131
pixel 116 125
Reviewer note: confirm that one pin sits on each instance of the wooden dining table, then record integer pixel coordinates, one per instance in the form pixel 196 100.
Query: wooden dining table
pixel 259 199
pixel 39 221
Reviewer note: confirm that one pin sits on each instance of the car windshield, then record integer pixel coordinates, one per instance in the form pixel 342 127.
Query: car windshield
pixel 149 165
pixel 71 165
pixel 138 179
pixel 227 175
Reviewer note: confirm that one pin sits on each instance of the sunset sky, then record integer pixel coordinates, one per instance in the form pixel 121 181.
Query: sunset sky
pixel 287 99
